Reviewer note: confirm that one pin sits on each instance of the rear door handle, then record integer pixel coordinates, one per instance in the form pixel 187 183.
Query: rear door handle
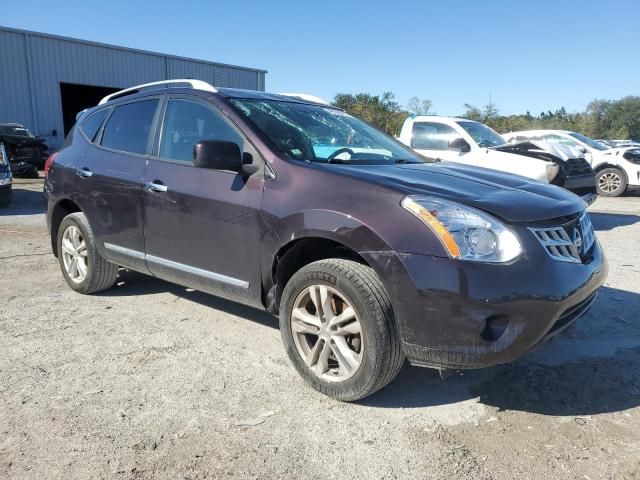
pixel 155 186
pixel 84 172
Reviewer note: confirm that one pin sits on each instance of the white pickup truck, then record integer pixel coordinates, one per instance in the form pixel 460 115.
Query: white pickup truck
pixel 473 143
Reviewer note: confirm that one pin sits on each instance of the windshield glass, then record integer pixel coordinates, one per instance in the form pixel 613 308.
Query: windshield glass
pixel 14 130
pixel 588 141
pixel 483 135
pixel 323 134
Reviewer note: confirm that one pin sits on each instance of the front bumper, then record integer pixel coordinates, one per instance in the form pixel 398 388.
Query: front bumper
pixel 456 314
pixel 583 185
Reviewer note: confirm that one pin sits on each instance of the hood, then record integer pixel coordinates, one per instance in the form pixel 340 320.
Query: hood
pixel 542 150
pixel 512 198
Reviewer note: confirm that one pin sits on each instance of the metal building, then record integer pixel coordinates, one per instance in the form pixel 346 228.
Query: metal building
pixel 46 79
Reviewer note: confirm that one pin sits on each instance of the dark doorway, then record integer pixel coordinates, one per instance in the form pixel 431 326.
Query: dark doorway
pixel 76 98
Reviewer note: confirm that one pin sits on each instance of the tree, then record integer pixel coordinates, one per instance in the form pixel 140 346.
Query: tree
pixel 381 111
pixel 419 107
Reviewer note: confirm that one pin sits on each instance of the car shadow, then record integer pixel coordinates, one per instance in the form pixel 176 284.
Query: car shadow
pixel 24 202
pixel 608 221
pixel 589 369
pixel 132 283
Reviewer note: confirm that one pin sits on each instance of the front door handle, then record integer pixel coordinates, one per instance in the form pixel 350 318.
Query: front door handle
pixel 155 186
pixel 84 172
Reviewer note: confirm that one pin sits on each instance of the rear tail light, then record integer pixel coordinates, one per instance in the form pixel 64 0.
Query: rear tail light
pixel 49 162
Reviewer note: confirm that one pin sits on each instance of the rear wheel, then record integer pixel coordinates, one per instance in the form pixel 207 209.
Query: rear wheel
pixel 611 182
pixel 82 266
pixel 338 329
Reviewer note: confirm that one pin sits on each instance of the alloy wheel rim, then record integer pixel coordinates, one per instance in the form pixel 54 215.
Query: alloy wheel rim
pixel 609 182
pixel 327 333
pixel 74 254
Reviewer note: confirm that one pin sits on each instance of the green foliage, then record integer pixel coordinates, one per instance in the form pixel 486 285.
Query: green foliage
pixel 615 119
pixel 383 112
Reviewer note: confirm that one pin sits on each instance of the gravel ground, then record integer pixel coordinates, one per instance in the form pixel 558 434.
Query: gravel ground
pixel 151 380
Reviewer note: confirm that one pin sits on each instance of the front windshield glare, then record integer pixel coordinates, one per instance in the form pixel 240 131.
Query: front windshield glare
pixel 322 134
pixel 589 141
pixel 482 135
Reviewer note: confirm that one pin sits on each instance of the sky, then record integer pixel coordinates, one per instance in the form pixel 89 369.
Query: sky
pixel 535 55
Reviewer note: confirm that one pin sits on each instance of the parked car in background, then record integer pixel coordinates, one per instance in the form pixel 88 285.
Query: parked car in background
pixel 473 143
pixel 616 168
pixel 369 256
pixel 23 148
pixel 5 178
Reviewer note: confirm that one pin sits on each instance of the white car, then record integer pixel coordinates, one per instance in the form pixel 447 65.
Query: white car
pixel 473 143
pixel 617 168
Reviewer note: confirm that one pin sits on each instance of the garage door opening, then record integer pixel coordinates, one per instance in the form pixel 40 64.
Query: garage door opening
pixel 76 98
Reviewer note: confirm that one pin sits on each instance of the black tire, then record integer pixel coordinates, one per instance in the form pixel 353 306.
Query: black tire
pixel 611 173
pixel 6 201
pixel 382 356
pixel 101 274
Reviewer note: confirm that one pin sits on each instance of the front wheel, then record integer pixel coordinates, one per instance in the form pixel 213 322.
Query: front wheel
pixel 611 182
pixel 338 329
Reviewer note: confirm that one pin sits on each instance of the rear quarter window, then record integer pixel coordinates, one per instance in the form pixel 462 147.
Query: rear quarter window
pixel 91 125
pixel 129 126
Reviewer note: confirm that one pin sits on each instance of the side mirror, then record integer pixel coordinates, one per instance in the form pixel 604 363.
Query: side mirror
pixel 218 155
pixel 459 144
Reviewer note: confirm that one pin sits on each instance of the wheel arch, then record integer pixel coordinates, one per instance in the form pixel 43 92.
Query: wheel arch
pixel 60 210
pixel 602 166
pixel 325 235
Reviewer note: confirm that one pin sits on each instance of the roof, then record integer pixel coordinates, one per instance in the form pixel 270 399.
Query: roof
pixel 540 131
pixel 439 118
pixel 126 49
pixel 166 87
pixel 257 95
pixel 11 124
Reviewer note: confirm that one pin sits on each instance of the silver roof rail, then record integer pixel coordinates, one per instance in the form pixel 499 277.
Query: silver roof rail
pixel 196 84
pixel 306 96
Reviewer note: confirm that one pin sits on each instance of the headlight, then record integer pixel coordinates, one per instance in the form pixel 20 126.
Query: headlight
pixel 552 171
pixel 466 233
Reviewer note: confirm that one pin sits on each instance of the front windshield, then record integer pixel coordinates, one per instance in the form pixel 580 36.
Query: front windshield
pixel 15 130
pixel 588 141
pixel 482 135
pixel 322 134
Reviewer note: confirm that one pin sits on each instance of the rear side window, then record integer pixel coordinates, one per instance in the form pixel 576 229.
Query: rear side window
pixel 186 123
pixel 92 124
pixel 432 136
pixel 128 127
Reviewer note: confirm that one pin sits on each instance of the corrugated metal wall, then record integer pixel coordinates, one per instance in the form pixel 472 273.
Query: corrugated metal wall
pixel 32 66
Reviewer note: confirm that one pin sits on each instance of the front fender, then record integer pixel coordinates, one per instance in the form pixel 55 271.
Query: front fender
pixel 326 224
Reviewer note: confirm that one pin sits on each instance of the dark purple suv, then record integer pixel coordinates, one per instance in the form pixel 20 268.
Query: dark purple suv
pixel 368 252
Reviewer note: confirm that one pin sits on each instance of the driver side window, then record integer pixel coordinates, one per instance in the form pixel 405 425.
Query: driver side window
pixel 560 140
pixel 186 122
pixel 432 136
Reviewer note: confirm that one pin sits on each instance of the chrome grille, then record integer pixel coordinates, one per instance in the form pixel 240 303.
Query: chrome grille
pixel 568 242
pixel 588 234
